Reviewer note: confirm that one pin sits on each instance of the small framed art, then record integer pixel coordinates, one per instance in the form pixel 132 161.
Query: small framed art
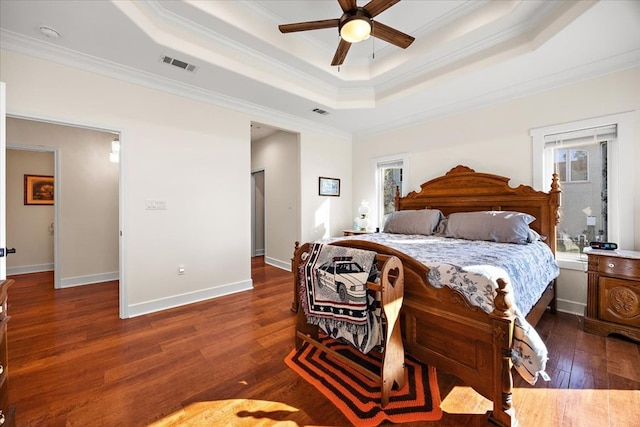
pixel 329 186
pixel 38 190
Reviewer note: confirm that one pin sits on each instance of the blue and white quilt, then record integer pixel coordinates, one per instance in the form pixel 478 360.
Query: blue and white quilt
pixel 472 266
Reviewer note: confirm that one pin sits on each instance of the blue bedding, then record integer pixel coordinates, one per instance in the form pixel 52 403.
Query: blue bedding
pixel 472 266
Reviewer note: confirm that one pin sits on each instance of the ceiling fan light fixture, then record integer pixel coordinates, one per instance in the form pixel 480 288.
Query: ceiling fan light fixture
pixel 355 27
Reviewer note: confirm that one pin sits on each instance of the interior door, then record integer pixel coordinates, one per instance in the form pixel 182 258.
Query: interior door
pixel 3 174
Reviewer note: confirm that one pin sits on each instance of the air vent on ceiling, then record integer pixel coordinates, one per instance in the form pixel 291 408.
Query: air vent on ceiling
pixel 178 63
pixel 320 111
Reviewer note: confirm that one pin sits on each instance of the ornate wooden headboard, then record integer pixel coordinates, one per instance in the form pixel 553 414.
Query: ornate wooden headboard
pixel 462 189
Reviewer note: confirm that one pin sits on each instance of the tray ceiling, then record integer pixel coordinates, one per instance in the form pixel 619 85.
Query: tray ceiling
pixel 466 54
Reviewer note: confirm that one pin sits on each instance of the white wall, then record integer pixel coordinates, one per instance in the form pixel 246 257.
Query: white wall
pixel 28 226
pixel 192 155
pixel 496 140
pixel 325 216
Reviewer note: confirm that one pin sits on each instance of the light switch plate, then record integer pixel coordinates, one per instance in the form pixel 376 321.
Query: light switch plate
pixel 155 205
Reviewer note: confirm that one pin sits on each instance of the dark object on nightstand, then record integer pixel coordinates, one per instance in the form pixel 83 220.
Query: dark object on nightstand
pixel 608 246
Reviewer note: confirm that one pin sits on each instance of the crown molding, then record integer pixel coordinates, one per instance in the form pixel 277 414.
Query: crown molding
pixel 53 53
pixel 613 64
pixel 238 57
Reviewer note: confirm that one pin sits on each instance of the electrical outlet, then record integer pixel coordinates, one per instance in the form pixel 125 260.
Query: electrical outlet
pixel 180 269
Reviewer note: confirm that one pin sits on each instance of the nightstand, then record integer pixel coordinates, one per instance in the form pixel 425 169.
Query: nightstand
pixel 356 232
pixel 613 293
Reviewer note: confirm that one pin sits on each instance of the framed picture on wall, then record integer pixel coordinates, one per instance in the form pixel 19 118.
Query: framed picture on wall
pixel 329 186
pixel 38 190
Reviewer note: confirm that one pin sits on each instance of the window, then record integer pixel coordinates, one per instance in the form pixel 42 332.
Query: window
pixel 390 174
pixel 580 160
pixel 571 165
pixel 593 162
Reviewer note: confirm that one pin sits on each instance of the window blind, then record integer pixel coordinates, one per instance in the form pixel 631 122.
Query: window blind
pixel 391 164
pixel 581 137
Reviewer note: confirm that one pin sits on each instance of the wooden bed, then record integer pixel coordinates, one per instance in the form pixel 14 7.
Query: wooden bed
pixel 439 327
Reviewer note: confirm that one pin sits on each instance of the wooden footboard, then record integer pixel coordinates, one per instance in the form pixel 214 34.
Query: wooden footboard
pixel 391 289
pixel 441 329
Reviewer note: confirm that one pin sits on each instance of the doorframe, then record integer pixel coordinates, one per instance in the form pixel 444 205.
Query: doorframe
pixel 122 294
pixel 3 174
pixel 56 202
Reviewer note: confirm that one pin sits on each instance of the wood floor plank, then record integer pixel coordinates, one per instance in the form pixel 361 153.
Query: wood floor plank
pixel 73 362
pixel 623 359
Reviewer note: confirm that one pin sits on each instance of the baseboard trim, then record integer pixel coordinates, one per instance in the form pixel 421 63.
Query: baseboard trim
pixel 571 307
pixel 69 282
pixel 26 269
pixel 277 263
pixel 188 298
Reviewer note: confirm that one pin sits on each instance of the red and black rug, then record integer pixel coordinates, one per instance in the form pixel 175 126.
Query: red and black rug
pixel 357 396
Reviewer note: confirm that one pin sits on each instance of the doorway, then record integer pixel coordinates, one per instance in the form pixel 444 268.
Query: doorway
pixel 30 222
pixel 257 214
pixel 87 198
pixel 276 152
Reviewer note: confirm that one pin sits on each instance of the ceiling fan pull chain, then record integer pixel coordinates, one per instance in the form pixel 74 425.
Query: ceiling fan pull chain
pixel 373 41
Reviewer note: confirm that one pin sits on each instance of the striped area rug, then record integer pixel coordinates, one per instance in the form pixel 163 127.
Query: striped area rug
pixel 357 396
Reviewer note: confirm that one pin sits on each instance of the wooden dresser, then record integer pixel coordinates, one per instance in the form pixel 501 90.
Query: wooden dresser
pixel 613 293
pixel 7 417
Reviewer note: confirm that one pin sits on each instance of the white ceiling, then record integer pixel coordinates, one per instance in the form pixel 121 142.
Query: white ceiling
pixel 466 54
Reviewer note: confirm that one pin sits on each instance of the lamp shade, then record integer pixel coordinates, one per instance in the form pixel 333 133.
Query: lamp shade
pixel 364 209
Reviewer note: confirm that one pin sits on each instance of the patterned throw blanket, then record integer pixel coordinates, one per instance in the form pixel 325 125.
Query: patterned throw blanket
pixel 334 294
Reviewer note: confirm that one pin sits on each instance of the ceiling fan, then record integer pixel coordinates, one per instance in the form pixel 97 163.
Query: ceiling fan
pixel 355 25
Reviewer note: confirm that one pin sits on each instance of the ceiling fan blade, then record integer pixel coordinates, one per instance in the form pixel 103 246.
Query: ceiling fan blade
pixel 391 35
pixel 376 7
pixel 347 5
pixel 341 52
pixel 309 25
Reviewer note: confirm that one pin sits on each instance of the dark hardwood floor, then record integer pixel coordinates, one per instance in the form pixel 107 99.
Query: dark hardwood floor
pixel 73 362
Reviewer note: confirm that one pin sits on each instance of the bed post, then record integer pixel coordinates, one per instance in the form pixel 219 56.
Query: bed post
pixel 554 205
pixel 502 319
pixel 301 319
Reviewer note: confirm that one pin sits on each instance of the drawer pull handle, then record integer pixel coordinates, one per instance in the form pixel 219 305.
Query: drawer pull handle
pixel 1 372
pixel 611 265
pixel 1 418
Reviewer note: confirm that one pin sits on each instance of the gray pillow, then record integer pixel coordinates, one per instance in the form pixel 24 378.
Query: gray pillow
pixel 423 221
pixel 493 226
